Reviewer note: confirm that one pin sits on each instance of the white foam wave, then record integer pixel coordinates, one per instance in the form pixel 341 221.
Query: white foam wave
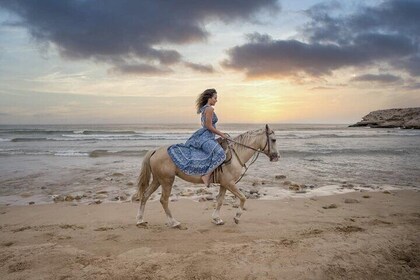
pixel 71 154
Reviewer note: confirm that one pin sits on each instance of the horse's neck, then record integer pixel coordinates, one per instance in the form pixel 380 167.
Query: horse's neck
pixel 246 154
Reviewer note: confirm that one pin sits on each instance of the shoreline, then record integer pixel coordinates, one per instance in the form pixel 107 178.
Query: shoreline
pixel 375 237
pixel 253 190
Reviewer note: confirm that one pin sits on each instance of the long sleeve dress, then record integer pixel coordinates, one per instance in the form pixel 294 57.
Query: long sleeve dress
pixel 201 154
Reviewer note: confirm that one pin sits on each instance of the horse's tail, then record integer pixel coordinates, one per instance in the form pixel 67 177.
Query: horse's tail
pixel 144 177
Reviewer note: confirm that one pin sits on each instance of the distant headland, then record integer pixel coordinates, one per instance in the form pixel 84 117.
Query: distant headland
pixel 408 118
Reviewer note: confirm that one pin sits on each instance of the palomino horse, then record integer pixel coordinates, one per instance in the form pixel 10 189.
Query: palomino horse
pixel 160 165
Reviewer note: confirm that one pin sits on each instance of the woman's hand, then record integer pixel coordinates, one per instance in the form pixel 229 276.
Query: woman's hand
pixel 226 136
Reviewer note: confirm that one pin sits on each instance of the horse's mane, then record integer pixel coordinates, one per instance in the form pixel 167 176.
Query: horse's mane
pixel 246 138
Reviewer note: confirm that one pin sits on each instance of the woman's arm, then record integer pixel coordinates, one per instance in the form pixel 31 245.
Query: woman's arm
pixel 208 123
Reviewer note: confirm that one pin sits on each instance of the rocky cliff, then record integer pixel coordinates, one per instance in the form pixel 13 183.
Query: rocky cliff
pixel 404 118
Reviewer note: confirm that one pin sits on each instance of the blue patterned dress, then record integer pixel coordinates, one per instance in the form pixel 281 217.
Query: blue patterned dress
pixel 201 154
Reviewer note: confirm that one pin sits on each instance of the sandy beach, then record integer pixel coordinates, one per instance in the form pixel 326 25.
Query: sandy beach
pixel 357 235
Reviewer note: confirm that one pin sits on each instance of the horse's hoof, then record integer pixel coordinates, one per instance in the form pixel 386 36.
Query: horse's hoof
pixel 142 224
pixel 236 220
pixel 218 222
pixel 178 226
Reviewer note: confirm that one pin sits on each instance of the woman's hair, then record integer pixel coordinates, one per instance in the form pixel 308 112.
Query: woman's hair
pixel 203 98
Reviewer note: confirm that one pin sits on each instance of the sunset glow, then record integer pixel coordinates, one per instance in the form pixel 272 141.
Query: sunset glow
pixel 270 61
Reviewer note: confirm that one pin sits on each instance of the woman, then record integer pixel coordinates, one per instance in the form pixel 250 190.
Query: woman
pixel 201 154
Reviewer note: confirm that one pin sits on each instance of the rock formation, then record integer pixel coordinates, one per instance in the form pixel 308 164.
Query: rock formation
pixel 404 118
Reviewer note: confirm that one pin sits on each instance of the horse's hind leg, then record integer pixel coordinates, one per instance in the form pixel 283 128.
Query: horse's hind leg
pixel 164 200
pixel 147 193
pixel 216 213
pixel 234 189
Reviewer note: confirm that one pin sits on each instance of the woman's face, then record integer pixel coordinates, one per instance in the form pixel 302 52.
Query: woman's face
pixel 212 101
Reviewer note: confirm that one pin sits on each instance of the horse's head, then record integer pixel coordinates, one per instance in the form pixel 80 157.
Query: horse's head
pixel 269 145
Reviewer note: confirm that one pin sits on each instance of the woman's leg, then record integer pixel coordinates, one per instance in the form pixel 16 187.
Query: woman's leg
pixel 206 179
pixel 218 156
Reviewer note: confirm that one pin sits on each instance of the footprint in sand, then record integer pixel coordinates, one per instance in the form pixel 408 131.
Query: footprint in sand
pixel 376 222
pixel 230 231
pixel 19 266
pixel 7 244
pixel 331 206
pixel 103 228
pixel 112 237
pixel 349 229
pixel 21 229
pixel 73 227
pixel 312 232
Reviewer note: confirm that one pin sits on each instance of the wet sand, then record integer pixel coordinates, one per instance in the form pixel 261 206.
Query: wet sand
pixel 357 235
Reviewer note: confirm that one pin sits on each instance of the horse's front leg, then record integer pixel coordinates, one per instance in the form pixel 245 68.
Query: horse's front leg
pixel 216 214
pixel 233 189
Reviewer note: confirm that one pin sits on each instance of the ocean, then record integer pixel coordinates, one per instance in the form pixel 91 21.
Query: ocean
pixel 39 162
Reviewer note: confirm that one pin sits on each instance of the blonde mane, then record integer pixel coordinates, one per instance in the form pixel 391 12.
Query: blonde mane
pixel 246 138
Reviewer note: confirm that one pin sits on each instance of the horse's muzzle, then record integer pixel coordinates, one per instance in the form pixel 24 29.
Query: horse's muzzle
pixel 274 157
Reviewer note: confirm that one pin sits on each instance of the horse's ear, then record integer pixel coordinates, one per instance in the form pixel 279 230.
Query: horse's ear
pixel 266 127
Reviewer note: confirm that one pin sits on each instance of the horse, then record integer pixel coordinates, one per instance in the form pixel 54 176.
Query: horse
pixel 240 150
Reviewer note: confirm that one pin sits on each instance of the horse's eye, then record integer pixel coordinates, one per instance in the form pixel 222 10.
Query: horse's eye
pixel 274 140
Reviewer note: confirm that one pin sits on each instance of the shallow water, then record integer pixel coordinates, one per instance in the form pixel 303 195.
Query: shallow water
pixel 37 162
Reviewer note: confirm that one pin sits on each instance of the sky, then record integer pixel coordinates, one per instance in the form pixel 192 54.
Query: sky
pixel 129 61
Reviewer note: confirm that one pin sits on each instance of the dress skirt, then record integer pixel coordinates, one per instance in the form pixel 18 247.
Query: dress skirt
pixel 200 155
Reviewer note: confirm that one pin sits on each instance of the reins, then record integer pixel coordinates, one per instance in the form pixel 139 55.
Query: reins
pixel 252 148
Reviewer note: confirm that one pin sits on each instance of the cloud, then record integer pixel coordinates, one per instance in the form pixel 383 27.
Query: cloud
pixel 387 33
pixel 200 67
pixel 118 32
pixel 283 58
pixel 381 78
pixel 411 65
pixel 322 88
pixel 413 86
pixel 145 69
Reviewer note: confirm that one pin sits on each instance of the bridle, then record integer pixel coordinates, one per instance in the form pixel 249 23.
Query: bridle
pixel 267 144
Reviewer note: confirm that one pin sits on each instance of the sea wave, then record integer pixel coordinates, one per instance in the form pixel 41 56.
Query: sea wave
pixel 332 135
pixel 29 139
pixel 95 132
pixel 96 137
pixel 112 137
pixel 104 153
pixel 72 153
pixel 33 131
pixel 335 152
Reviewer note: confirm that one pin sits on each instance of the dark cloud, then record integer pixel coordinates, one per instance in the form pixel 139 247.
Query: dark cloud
pixel 411 65
pixel 117 32
pixel 200 67
pixel 387 33
pixel 143 69
pixel 381 78
pixel 281 58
